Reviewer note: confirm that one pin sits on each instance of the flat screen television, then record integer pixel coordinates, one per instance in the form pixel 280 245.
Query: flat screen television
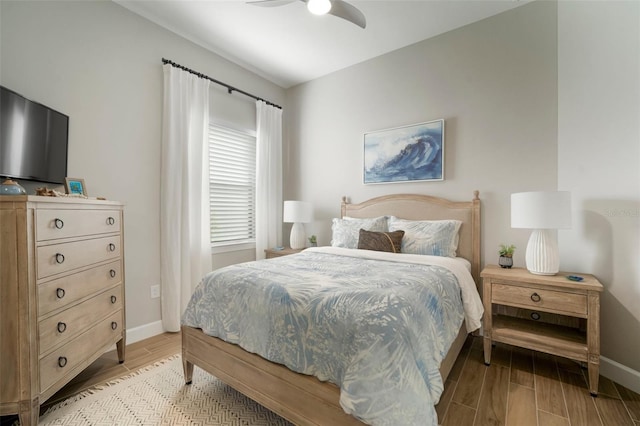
pixel 33 140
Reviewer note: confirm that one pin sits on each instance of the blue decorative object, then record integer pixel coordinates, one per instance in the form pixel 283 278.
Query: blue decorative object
pixel 11 187
pixel 575 278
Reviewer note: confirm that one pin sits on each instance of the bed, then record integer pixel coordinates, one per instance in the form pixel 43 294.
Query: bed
pixel 304 399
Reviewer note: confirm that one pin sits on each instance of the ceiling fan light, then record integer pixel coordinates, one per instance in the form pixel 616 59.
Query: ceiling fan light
pixel 319 7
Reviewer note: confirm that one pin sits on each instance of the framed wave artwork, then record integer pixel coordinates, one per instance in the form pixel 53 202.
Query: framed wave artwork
pixel 405 154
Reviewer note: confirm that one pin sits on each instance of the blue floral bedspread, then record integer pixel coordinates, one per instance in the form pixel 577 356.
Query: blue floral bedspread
pixel 378 329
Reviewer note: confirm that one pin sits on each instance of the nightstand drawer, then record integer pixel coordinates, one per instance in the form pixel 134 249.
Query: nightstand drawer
pixel 544 300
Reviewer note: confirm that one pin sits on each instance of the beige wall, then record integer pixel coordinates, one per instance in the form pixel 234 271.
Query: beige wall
pixel 494 83
pixel 101 65
pixel 599 162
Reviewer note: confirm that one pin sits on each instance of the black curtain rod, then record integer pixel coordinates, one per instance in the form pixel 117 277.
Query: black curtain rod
pixel 230 89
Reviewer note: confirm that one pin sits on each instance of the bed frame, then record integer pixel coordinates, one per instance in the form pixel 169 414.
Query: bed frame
pixel 302 399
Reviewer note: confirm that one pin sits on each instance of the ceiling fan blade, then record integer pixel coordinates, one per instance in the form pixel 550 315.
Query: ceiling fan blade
pixel 269 3
pixel 344 10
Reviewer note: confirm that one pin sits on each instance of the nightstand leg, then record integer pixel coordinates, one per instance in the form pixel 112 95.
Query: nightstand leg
pixel 487 350
pixel 594 376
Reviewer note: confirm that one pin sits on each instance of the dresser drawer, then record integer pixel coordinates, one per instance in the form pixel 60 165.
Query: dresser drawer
pixel 55 223
pixel 58 258
pixel 64 291
pixel 539 299
pixel 68 324
pixel 62 361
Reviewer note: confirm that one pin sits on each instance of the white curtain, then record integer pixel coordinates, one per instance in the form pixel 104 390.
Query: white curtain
pixel 185 251
pixel 268 178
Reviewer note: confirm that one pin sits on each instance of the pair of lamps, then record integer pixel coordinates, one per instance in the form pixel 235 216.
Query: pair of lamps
pixel 542 211
pixel 298 213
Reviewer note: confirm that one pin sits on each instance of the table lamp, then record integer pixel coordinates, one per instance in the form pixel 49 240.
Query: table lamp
pixel 541 211
pixel 297 212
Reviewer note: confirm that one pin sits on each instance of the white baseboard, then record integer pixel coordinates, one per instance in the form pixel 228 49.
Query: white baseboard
pixel 619 373
pixel 144 331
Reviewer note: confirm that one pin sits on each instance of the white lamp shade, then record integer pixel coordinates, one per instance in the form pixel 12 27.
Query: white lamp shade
pixel 297 212
pixel 541 210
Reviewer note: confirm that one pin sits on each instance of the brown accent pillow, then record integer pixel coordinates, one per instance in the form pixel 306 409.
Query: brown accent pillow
pixel 380 241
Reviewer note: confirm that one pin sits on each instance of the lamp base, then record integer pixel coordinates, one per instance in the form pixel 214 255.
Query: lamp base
pixel 297 239
pixel 542 257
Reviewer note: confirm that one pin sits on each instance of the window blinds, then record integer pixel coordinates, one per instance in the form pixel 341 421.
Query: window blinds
pixel 232 185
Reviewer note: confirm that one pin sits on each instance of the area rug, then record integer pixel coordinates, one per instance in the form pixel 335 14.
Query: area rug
pixel 158 395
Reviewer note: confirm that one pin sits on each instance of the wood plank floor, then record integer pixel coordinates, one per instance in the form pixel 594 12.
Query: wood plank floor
pixel 527 388
pixel 520 388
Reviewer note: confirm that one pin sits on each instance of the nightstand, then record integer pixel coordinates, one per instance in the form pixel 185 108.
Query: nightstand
pixel 552 315
pixel 271 253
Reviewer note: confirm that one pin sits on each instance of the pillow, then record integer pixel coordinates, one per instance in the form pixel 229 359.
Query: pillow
pixel 380 241
pixel 345 232
pixel 430 237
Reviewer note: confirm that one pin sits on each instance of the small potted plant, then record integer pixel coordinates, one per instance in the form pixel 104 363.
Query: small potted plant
pixel 506 255
pixel 312 241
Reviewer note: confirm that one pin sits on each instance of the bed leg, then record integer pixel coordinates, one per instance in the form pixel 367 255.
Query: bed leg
pixel 188 371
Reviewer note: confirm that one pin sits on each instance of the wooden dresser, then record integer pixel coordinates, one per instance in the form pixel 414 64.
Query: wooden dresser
pixel 61 294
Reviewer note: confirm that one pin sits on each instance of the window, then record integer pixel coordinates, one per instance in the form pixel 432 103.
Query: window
pixel 232 185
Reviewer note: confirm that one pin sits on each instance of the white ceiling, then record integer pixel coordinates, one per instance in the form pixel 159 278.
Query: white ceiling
pixel 288 45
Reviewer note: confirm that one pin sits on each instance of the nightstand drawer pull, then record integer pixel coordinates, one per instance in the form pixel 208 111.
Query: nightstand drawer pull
pixel 60 293
pixel 112 273
pixel 62 327
pixel 110 221
pixel 112 247
pixel 113 299
pixel 114 325
pixel 536 297
pixel 59 223
pixel 62 361
pixel 59 258
pixel 535 316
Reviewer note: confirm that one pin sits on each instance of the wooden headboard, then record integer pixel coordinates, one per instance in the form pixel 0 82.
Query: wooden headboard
pixel 426 207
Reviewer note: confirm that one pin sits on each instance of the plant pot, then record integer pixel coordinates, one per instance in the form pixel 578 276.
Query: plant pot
pixel 505 262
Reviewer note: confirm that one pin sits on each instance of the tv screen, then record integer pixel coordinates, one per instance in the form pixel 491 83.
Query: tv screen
pixel 33 140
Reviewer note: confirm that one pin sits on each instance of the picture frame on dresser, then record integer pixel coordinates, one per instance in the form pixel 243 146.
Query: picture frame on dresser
pixel 75 186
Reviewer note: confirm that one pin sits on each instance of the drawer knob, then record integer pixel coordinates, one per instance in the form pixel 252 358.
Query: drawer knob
pixel 59 223
pixel 60 293
pixel 114 325
pixel 62 327
pixel 535 316
pixel 112 247
pixel 59 258
pixel 112 272
pixel 536 297
pixel 62 361
pixel 113 299
pixel 111 220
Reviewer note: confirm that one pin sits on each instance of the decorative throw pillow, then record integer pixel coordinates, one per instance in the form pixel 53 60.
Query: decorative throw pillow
pixel 345 231
pixel 380 241
pixel 429 237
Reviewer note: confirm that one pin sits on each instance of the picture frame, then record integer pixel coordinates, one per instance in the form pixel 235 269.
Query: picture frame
pixel 75 186
pixel 413 153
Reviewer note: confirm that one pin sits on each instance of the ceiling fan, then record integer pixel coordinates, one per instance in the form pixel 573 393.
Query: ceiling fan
pixel 338 8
